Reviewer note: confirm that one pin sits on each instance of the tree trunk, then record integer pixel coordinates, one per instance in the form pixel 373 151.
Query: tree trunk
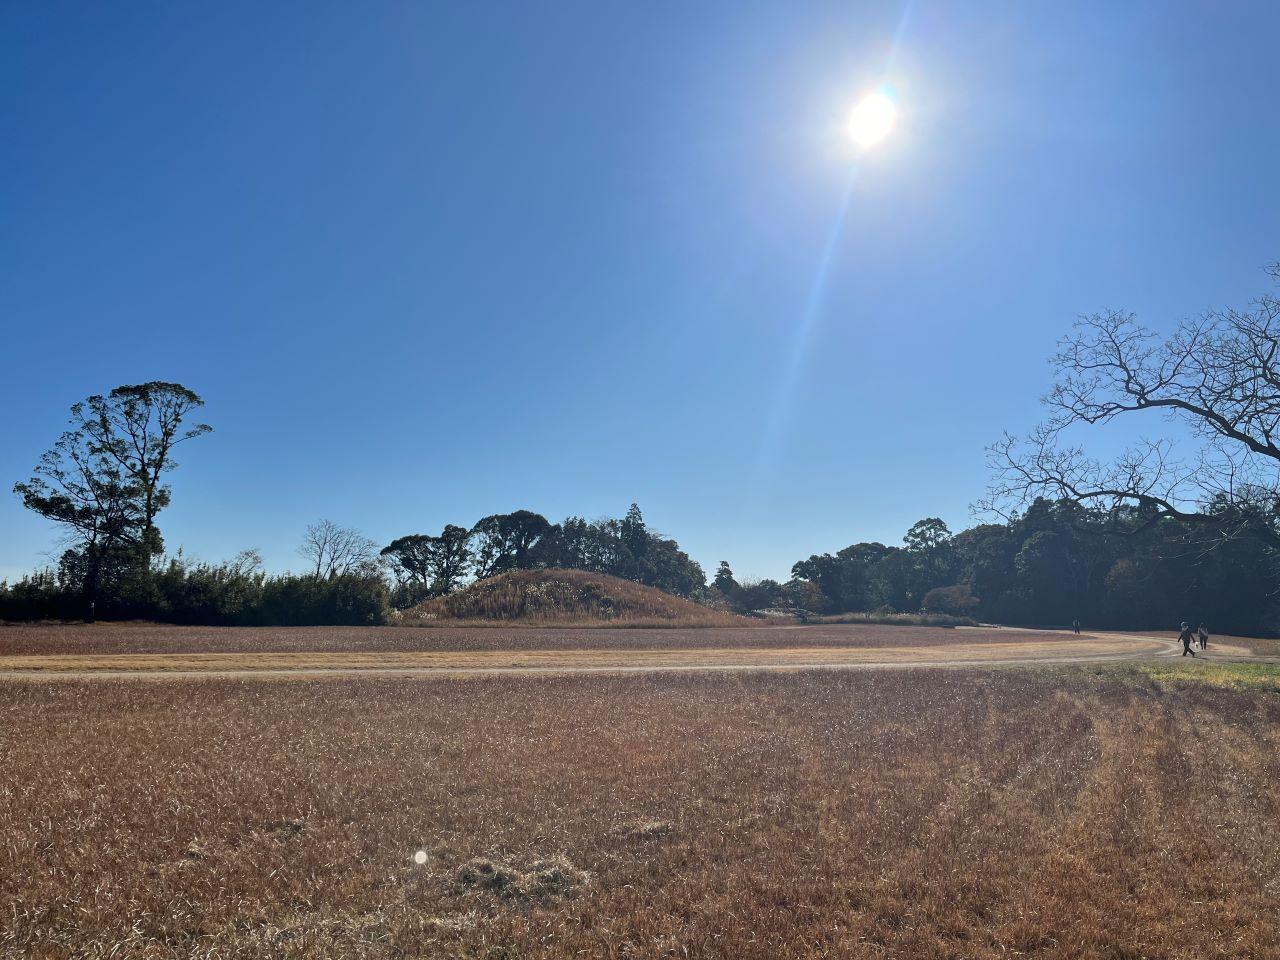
pixel 91 581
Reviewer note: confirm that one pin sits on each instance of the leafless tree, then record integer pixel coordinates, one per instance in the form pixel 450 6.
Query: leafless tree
pixel 334 550
pixel 1219 375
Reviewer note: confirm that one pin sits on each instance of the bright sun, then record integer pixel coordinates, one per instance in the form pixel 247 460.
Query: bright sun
pixel 872 119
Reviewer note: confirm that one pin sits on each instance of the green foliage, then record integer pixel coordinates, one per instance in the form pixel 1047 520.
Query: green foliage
pixel 760 595
pixel 1059 562
pixel 136 427
pixel 353 599
pixel 428 566
pixel 101 483
pixel 37 596
pixel 508 541
pixel 956 600
pixel 724 580
pixel 233 593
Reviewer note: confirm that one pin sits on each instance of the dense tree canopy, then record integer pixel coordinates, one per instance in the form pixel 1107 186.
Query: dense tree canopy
pixel 1056 562
pixel 507 541
pixel 524 540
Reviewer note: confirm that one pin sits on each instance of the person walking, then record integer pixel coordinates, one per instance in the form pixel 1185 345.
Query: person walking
pixel 1185 635
pixel 1204 637
pixel 1075 625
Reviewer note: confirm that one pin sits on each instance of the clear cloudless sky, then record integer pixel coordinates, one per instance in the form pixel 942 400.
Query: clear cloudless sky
pixel 427 262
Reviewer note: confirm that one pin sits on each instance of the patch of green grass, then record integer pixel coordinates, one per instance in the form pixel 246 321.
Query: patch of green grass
pixel 1173 673
pixel 1254 675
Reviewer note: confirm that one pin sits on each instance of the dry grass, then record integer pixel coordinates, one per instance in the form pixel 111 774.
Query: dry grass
pixel 1061 814
pixel 558 597
pixel 899 619
pixel 138 638
pixel 575 660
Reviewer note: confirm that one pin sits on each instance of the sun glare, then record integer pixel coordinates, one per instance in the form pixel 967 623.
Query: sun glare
pixel 872 119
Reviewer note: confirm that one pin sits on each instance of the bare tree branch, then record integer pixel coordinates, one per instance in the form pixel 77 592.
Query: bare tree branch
pixel 1219 375
pixel 335 551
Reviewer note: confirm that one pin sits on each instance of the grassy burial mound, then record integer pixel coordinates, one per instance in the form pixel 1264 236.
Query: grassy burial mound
pixel 567 597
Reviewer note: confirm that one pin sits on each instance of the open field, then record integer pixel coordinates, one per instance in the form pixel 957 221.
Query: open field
pixel 145 649
pixel 1107 811
pixel 116 638
pixel 582 660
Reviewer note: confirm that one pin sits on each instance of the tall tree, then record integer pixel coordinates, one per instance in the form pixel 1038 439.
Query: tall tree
pixel 634 533
pixel 451 558
pixel 508 541
pixel 724 580
pixel 98 504
pixel 411 561
pixel 430 565
pixel 929 542
pixel 927 535
pixel 138 427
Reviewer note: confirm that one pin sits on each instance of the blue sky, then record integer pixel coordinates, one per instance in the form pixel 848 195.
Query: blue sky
pixel 427 262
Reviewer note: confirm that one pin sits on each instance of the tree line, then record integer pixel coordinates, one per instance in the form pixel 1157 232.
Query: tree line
pixel 1145 540
pixel 103 485
pixel 422 565
pixel 1054 563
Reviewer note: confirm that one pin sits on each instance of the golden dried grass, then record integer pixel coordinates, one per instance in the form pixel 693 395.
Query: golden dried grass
pixel 979 814
pixel 139 638
pixel 577 660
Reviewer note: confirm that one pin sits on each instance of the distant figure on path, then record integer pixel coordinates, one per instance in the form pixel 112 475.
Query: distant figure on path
pixel 1204 637
pixel 1185 635
pixel 1075 625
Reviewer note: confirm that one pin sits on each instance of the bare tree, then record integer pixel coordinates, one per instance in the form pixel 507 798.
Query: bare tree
pixel 334 551
pixel 1219 375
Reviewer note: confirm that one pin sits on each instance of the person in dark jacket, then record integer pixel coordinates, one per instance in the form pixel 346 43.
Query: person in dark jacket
pixel 1185 635
pixel 1203 634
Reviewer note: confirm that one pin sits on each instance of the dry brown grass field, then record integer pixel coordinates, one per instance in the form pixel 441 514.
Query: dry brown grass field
pixel 471 661
pixel 1117 811
pixel 139 638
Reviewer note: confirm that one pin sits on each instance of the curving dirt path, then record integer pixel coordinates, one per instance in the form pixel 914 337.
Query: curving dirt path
pixel 1055 648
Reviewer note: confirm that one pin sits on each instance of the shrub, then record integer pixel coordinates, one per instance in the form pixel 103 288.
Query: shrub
pixel 956 600
pixel 231 593
pixel 351 599
pixel 38 596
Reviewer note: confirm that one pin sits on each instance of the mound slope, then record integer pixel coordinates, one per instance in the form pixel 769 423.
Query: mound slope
pixel 567 597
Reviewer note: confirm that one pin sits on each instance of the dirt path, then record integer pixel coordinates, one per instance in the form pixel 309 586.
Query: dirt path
pixel 1053 650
